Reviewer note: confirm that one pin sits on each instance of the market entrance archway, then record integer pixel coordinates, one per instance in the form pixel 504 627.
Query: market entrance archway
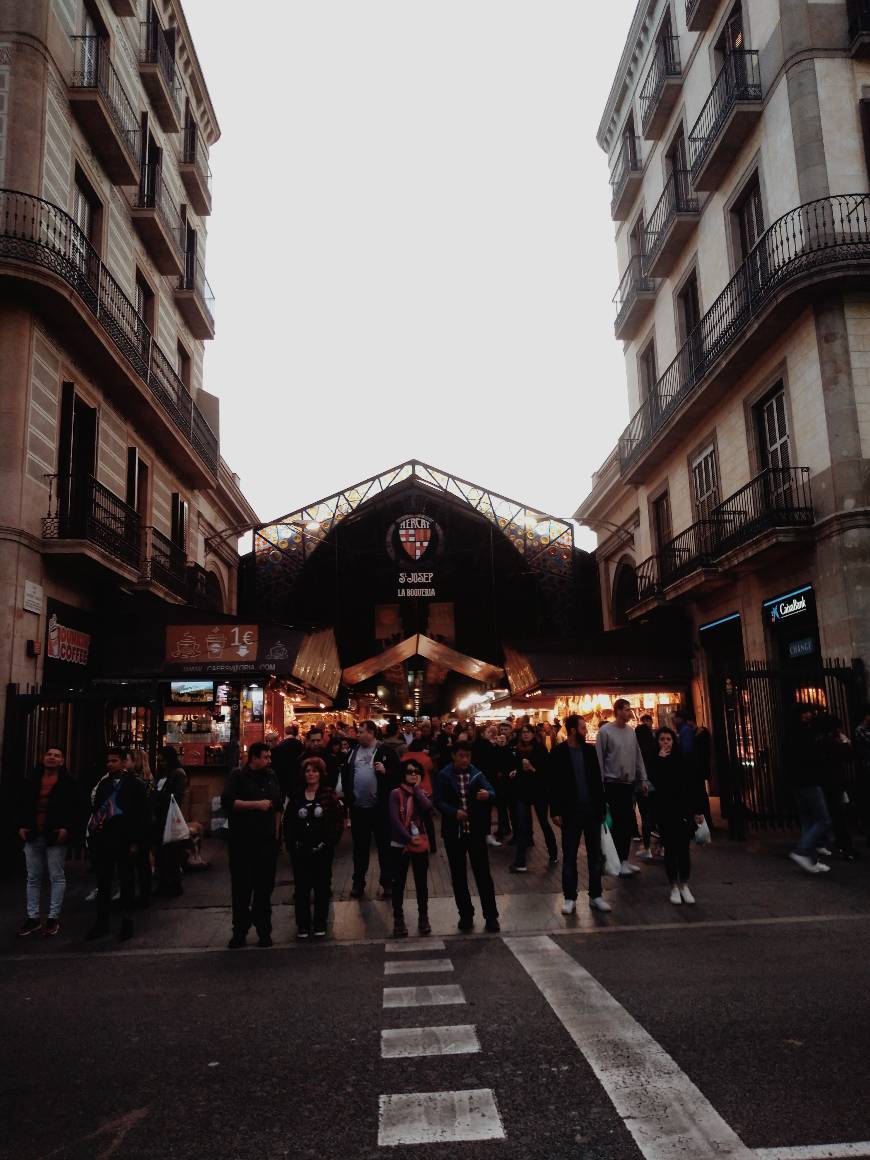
pixel 422 577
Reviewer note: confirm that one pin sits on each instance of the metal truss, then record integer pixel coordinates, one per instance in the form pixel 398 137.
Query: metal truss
pixel 282 547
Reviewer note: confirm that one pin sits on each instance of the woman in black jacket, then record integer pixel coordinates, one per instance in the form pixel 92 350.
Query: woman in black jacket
pixel 48 811
pixel 313 824
pixel 678 808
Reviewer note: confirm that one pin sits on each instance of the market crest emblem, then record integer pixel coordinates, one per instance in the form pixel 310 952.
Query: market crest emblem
pixel 413 536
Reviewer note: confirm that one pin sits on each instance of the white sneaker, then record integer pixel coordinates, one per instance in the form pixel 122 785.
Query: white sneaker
pixel 626 870
pixel 686 894
pixel 569 906
pixel 92 897
pixel 824 851
pixel 806 863
pixel 492 840
pixel 600 904
pixel 676 897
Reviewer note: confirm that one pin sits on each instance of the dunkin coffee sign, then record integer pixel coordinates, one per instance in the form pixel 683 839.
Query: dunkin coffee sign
pixel 67 644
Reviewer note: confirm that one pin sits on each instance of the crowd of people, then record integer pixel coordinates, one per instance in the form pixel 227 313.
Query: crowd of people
pixel 488 784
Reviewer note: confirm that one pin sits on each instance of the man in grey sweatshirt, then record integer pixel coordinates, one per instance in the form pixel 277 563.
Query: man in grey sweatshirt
pixel 624 774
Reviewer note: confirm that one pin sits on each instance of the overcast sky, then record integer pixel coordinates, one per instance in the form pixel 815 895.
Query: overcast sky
pixel 411 245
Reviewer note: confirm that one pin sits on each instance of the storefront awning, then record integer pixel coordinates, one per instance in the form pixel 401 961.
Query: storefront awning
pixel 432 650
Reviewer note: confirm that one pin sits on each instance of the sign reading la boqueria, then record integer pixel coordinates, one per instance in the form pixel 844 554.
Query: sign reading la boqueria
pixel 415 538
pixel 229 648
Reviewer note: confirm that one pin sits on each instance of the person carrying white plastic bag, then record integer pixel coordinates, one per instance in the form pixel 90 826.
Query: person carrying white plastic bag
pixel 176 828
pixel 612 865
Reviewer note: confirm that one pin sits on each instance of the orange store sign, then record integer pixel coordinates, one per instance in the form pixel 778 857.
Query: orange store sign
pixel 227 643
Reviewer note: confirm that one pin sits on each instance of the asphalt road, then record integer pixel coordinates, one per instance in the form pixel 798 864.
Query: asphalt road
pixel 278 1053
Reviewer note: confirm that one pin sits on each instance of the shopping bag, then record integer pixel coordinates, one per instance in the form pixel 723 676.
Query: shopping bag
pixel 608 850
pixel 702 834
pixel 176 828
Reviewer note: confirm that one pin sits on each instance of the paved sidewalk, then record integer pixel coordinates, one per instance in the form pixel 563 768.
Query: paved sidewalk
pixel 734 882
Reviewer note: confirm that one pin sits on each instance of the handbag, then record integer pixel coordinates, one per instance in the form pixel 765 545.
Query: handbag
pixel 175 828
pixel 419 843
pixel 612 863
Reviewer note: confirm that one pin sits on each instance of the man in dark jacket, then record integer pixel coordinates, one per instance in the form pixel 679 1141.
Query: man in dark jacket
pixel 118 827
pixel 254 804
pixel 48 812
pixel 807 776
pixel 465 798
pixel 286 757
pixel 577 805
pixel 171 783
pixel 367 780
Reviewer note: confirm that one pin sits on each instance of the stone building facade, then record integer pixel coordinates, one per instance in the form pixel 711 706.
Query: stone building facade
pixel 113 492
pixel 737 133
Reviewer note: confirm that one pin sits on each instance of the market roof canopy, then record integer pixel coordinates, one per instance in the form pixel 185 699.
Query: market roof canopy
pixel 424 646
pixel 546 542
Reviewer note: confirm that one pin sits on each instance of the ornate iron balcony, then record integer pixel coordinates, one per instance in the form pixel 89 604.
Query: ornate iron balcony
pixel 665 66
pixel 195 299
pixel 81 508
pixel 164 562
pixel 159 74
pixel 676 199
pixel 629 299
pixel 194 169
pixel 94 77
pixel 816 236
pixel 627 166
pixel 35 231
pixel 739 80
pixel 778 497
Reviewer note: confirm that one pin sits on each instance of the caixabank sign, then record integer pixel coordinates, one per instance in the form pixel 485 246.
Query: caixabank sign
pixel 791 620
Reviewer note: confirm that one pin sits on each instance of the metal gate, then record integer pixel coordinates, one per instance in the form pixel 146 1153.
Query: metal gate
pixel 83 723
pixel 761 707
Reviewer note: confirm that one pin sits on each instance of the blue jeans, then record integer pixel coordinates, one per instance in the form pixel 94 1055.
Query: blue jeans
pixel 815 819
pixel 42 860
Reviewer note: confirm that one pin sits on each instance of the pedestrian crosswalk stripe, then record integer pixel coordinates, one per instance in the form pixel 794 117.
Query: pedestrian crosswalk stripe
pixel 856 1151
pixel 438 996
pixel 415 944
pixel 404 1042
pixel 439 1117
pixel 418 967
pixel 663 1110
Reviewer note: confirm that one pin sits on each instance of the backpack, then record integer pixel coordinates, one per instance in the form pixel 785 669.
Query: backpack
pixel 105 812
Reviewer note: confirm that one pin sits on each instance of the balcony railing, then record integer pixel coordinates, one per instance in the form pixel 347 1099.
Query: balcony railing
pixel 779 497
pixel 648 581
pixel 154 48
pixel 820 234
pixel 676 198
pixel 666 63
pixel 82 508
pixel 194 153
pixel 194 279
pixel 627 163
pixel 739 79
pixel 164 562
pixel 93 69
pixel 154 194
pixel 633 282
pixel 35 231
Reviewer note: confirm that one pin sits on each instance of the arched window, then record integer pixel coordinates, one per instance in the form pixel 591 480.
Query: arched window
pixel 624 590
